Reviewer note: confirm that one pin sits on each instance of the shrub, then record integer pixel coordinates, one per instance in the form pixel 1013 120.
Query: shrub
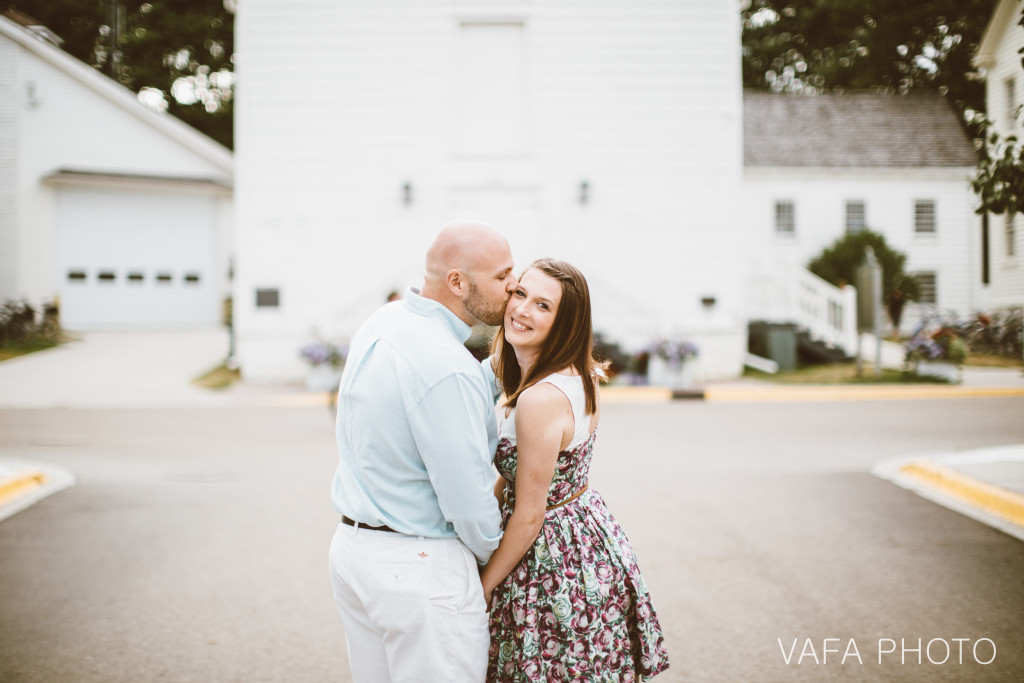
pixel 838 264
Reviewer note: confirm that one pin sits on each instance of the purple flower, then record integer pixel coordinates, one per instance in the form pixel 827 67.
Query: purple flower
pixel 324 353
pixel 673 350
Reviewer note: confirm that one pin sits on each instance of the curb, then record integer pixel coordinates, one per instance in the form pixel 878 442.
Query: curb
pixel 19 484
pixel 24 483
pixel 988 498
pixel 936 478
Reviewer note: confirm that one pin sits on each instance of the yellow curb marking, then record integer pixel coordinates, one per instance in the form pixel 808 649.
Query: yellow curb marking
pixel 635 394
pixel 725 394
pixel 18 484
pixel 992 499
pixel 848 393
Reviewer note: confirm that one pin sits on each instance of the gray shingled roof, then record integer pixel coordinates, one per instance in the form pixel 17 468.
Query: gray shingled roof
pixel 853 130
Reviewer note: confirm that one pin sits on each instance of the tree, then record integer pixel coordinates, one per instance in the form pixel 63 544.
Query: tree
pixel 813 46
pixel 838 264
pixel 176 53
pixel 999 181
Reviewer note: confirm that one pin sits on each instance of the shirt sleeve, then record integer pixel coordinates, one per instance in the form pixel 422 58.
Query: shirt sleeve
pixel 490 379
pixel 452 433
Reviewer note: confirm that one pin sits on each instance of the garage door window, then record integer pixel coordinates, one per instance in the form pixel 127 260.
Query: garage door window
pixel 136 278
pixel 76 276
pixel 107 277
pixel 164 278
pixel 191 278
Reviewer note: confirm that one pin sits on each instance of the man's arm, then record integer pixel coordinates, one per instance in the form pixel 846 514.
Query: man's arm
pixel 451 431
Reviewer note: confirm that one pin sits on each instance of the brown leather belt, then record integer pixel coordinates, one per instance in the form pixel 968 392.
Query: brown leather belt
pixel 570 498
pixel 361 525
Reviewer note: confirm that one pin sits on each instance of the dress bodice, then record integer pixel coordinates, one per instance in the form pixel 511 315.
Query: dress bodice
pixel 572 467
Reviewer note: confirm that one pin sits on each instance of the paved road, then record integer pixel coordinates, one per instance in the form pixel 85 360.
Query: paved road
pixel 193 547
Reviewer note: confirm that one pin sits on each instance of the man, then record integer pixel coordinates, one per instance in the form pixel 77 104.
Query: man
pixel 416 436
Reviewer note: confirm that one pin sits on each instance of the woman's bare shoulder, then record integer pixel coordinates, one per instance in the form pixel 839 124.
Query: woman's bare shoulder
pixel 542 397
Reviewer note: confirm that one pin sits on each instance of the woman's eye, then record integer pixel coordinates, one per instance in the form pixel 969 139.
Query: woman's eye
pixel 543 307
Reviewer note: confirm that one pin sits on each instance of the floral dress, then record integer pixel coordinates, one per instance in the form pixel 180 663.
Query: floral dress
pixel 576 606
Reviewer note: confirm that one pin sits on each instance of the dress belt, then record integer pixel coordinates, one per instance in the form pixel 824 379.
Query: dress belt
pixel 570 498
pixel 361 525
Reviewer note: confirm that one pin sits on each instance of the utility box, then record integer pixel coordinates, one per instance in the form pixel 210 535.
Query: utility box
pixel 776 341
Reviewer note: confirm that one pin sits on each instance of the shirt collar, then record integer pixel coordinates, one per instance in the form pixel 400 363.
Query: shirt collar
pixel 432 309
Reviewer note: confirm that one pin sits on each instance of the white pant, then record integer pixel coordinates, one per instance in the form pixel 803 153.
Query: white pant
pixel 413 607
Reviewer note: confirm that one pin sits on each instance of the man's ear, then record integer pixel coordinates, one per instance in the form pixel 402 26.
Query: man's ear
pixel 456 281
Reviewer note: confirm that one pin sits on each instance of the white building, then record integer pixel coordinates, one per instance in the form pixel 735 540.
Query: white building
pixel 122 212
pixel 607 134
pixel 999 59
pixel 818 167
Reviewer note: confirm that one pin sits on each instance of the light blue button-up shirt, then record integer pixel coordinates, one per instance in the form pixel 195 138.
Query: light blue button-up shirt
pixel 416 428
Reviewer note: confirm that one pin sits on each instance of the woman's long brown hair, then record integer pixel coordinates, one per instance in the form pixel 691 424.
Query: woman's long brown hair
pixel 570 343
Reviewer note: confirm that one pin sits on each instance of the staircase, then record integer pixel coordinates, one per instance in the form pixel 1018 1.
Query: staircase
pixel 820 317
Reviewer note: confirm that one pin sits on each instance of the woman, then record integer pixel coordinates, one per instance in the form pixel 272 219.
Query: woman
pixel 566 596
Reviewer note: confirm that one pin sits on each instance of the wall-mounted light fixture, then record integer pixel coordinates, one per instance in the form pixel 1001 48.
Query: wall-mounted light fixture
pixel 707 301
pixel 407 193
pixel 584 192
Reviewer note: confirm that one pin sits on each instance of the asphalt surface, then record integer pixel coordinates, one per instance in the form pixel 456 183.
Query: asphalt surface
pixel 193 544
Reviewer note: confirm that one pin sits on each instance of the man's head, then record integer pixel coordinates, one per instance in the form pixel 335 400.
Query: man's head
pixel 470 271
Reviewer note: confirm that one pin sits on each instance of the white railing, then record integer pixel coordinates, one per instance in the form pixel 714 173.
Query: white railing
pixel 826 312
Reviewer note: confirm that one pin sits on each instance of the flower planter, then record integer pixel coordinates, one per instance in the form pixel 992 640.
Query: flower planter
pixel 671 374
pixel 323 378
pixel 936 368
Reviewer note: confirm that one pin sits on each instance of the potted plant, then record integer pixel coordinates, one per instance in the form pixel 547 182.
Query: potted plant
pixel 668 362
pixel 937 352
pixel 326 361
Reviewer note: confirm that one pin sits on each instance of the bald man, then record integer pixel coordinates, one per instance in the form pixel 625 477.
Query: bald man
pixel 414 486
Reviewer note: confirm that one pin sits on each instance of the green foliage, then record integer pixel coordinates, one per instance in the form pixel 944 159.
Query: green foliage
pixel 24 330
pixel 818 45
pixel 838 264
pixel 181 48
pixel 999 179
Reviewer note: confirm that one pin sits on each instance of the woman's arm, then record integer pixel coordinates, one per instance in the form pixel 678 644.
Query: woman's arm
pixel 543 417
pixel 499 490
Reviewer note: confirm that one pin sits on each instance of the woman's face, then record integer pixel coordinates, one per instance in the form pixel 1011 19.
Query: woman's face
pixel 531 311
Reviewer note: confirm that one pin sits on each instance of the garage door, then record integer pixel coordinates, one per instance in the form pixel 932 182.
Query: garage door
pixel 136 259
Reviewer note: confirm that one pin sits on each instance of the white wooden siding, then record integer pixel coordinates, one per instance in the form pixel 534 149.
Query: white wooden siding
pixel 8 170
pixel 611 97
pixel 1007 271
pixel 953 251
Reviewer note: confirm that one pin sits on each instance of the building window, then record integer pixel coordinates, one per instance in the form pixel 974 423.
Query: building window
pixel 268 298
pixel 785 218
pixel 929 287
pixel 854 216
pixel 1011 235
pixel 924 216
